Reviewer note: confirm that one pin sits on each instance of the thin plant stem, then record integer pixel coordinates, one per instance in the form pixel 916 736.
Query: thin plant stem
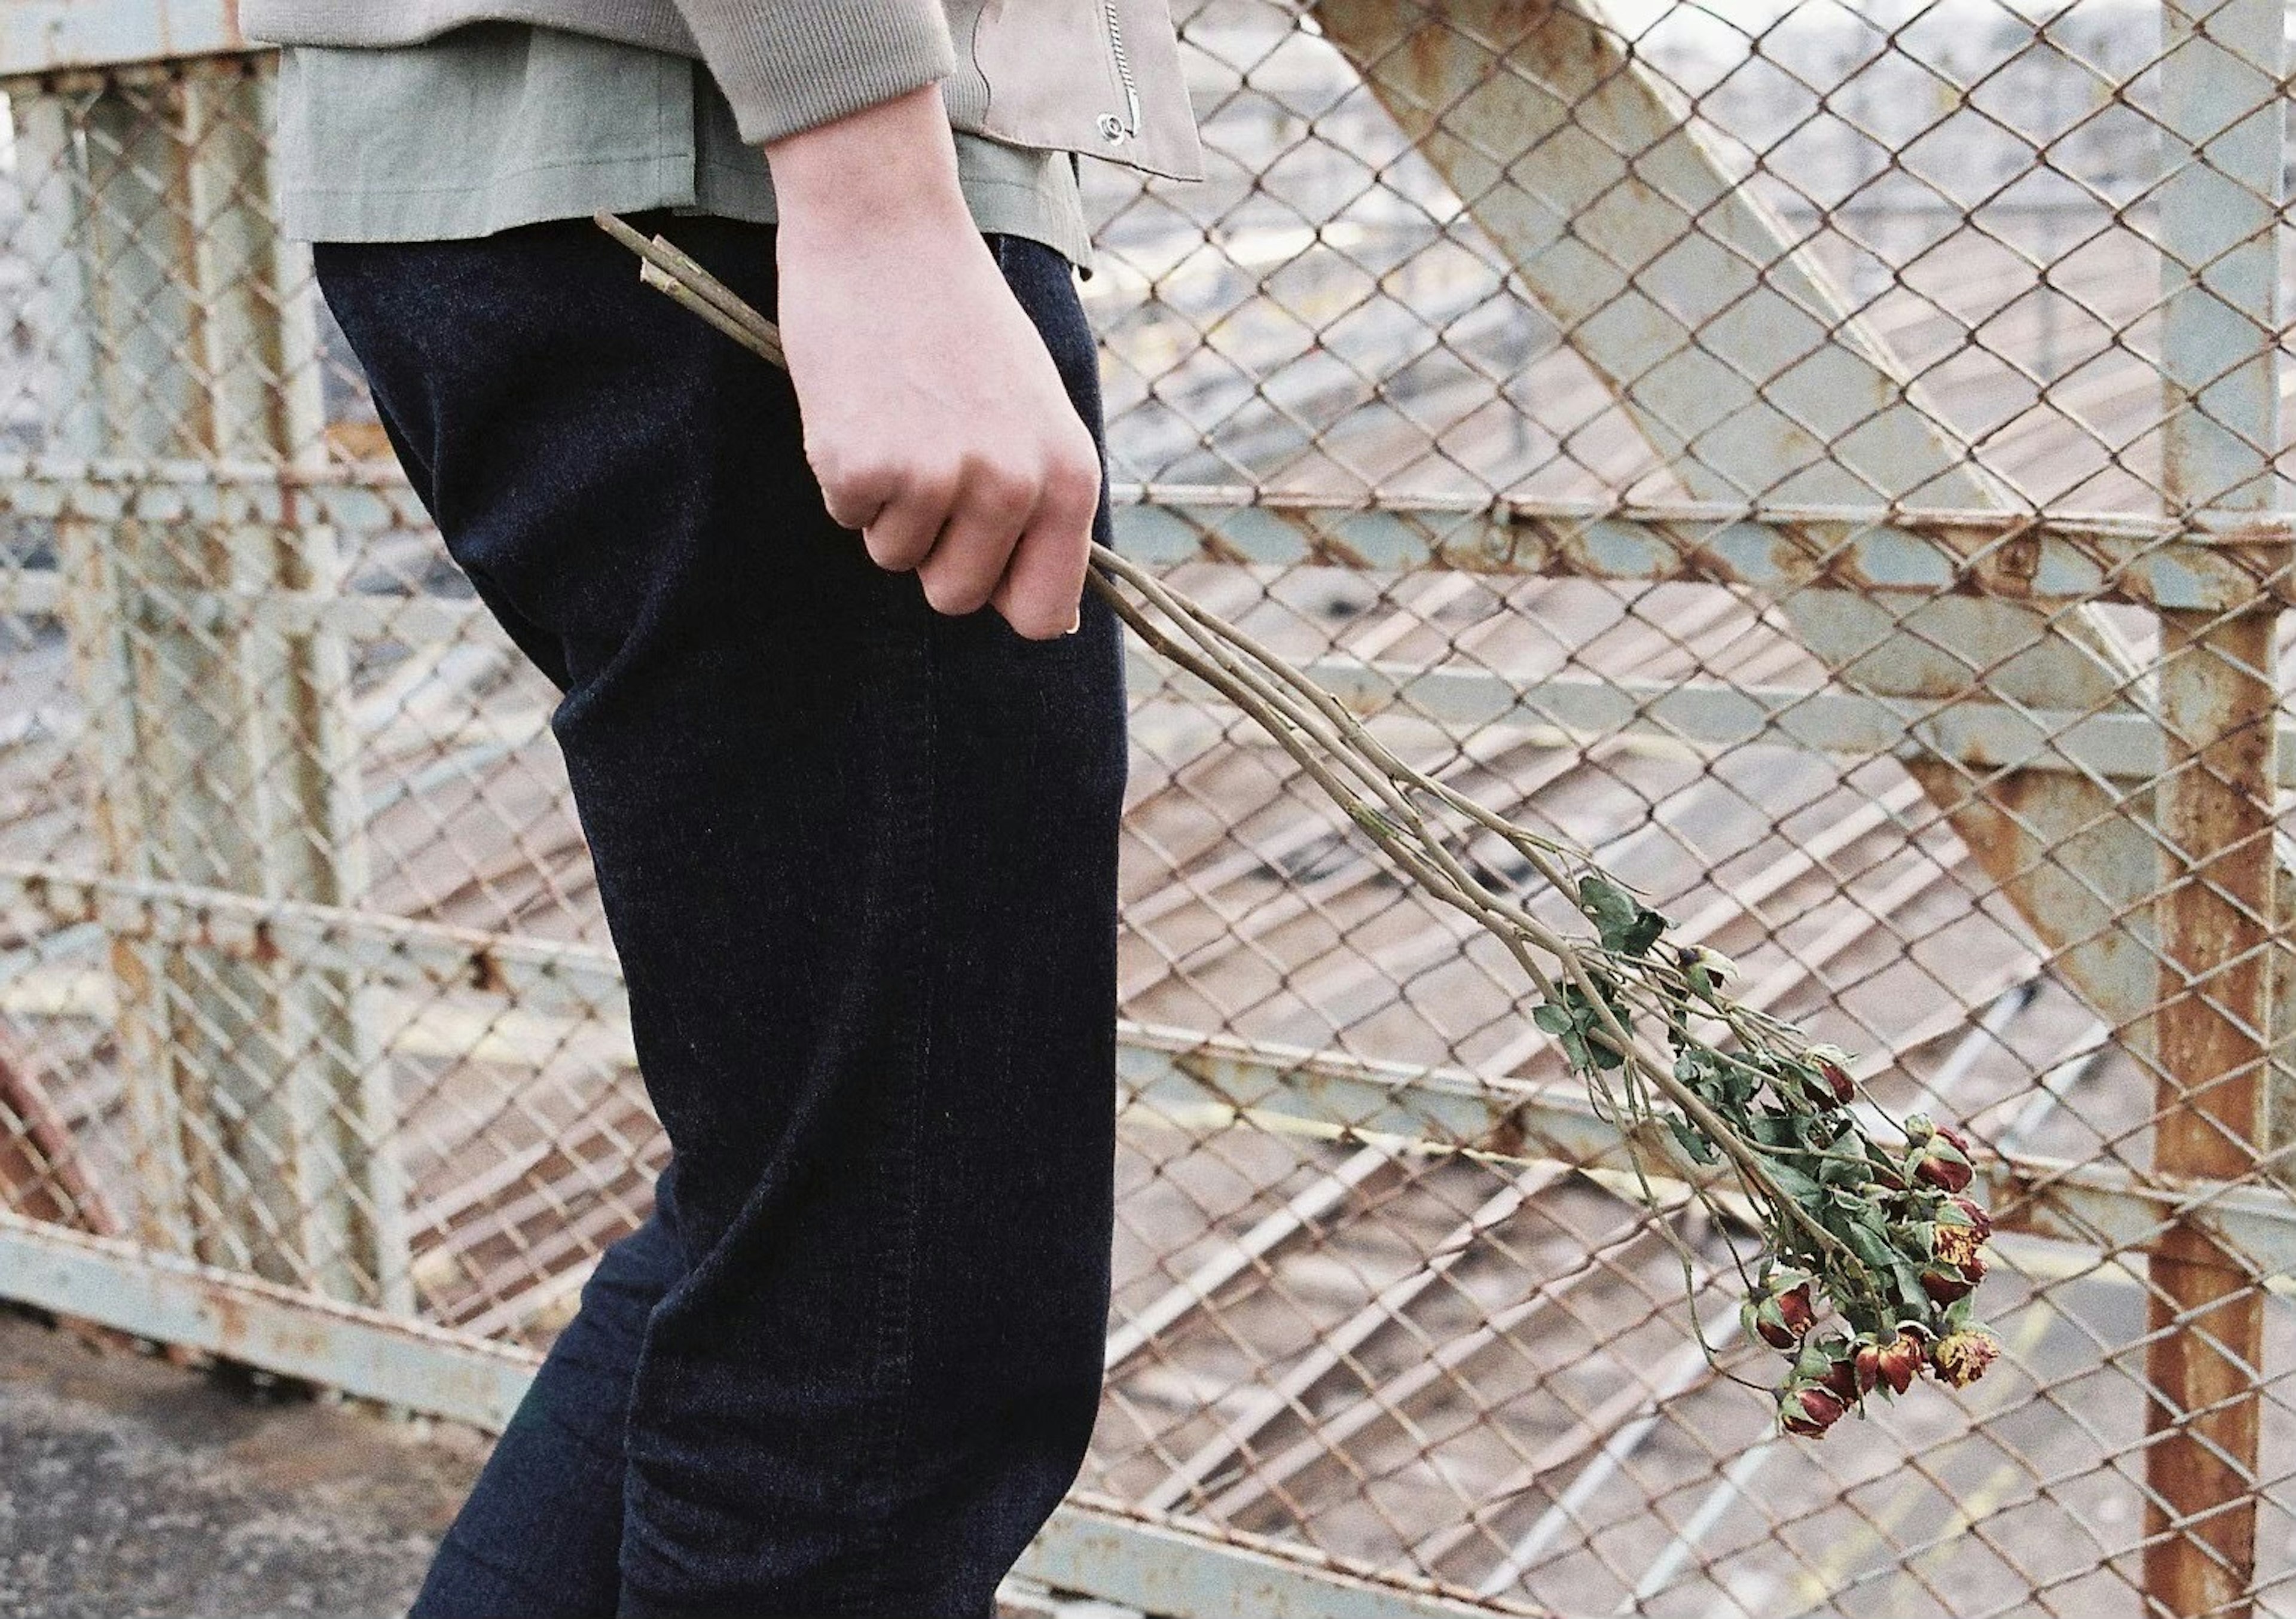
pixel 1415 819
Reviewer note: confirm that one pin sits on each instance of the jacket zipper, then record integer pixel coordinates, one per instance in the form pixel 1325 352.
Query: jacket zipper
pixel 1123 70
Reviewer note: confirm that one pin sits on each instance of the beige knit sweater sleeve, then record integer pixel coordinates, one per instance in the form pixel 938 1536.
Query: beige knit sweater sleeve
pixel 785 65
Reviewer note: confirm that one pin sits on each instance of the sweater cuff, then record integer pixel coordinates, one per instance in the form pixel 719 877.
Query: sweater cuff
pixel 787 65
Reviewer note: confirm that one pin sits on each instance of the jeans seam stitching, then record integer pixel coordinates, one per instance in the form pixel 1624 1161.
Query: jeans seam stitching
pixel 895 1328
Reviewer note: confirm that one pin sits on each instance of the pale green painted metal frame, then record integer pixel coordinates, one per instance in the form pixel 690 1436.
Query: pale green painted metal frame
pixel 1831 534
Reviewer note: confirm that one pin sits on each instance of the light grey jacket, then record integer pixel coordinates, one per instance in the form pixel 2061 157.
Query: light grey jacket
pixel 1100 76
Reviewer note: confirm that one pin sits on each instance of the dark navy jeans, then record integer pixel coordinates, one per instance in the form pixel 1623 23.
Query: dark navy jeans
pixel 859 863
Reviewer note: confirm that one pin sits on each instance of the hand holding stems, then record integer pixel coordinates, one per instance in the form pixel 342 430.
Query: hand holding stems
pixel 937 424
pixel 1884 1232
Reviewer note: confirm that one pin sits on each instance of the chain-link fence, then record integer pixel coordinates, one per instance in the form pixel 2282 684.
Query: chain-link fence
pixel 1824 458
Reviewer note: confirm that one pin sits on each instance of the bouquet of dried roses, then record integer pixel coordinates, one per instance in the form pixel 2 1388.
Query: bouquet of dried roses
pixel 1870 1250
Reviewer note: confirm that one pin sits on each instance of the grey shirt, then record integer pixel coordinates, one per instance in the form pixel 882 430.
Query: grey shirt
pixel 504 123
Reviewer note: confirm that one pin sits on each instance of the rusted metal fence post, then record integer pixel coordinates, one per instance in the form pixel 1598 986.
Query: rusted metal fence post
pixel 1575 158
pixel 2221 149
pixel 217 742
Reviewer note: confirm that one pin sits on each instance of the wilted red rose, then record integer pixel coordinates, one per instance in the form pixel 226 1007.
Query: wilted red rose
pixel 1958 1244
pixel 1942 1166
pixel 1842 1378
pixel 1945 1286
pixel 1962 1357
pixel 1975 1212
pixel 1833 1085
pixel 1899 1361
pixel 1779 1317
pixel 1811 1410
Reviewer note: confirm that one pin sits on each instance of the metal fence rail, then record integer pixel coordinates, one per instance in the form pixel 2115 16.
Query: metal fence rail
pixel 1824 457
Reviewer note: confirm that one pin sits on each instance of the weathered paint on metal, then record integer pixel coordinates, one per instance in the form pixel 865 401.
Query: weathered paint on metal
pixel 1975 732
pixel 390 1357
pixel 54 138
pixel 2223 148
pixel 383 948
pixel 1441 1108
pixel 1755 381
pixel 1978 734
pixel 2099 1206
pixel 221 755
pixel 381 1355
pixel 1793 554
pixel 40 36
pixel 2206 1308
pixel 1174 1573
pixel 2204 561
pixel 255 295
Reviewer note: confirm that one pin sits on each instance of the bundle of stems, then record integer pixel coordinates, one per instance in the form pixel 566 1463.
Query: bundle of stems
pixel 1884 1232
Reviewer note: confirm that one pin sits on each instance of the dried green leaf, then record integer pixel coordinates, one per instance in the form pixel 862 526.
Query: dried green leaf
pixel 1624 923
pixel 1695 1144
pixel 1795 1184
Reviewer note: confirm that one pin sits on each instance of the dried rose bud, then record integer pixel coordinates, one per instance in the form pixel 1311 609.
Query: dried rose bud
pixel 1889 1177
pixel 1899 1361
pixel 1962 1357
pixel 1918 1128
pixel 1778 1318
pixel 1975 1212
pixel 1945 1286
pixel 1942 1166
pixel 1763 1320
pixel 1842 1378
pixel 1705 969
pixel 1811 1410
pixel 1958 1244
pixel 1833 1065
pixel 1953 1138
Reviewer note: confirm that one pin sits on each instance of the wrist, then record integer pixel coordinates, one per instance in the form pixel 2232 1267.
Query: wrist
pixel 888 169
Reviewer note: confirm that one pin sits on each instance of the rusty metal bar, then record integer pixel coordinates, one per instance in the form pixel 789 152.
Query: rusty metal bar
pixel 1586 171
pixel 1890 547
pixel 42 1173
pixel 1974 731
pixel 256 326
pixel 2222 149
pixel 1177 1575
pixel 42 37
pixel 218 753
pixel 1277 1087
pixel 382 1356
pixel 62 148
pixel 376 1353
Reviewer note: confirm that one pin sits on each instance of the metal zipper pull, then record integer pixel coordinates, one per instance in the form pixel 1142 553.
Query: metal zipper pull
pixel 1111 128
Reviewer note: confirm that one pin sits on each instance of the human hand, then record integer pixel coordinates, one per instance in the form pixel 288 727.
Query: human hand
pixel 934 417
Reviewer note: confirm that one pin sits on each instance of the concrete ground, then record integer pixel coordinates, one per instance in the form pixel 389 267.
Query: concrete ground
pixel 131 1487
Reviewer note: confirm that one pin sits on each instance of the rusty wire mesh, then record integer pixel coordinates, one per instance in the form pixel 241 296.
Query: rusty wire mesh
pixel 1814 455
